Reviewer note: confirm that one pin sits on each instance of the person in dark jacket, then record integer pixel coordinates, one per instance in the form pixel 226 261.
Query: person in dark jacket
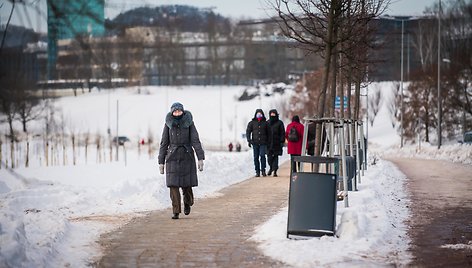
pixel 276 141
pixel 311 139
pixel 176 152
pixel 257 134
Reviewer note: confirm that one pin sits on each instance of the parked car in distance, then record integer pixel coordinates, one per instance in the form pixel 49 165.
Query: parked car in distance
pixel 121 140
pixel 467 138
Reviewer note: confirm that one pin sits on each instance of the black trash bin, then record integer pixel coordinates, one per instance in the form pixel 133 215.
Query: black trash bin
pixel 312 201
pixel 350 169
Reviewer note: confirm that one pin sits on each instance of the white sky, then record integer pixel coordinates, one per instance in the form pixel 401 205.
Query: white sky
pixel 231 8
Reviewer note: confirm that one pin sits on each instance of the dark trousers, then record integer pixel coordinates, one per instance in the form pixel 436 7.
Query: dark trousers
pixel 175 197
pixel 294 166
pixel 273 159
pixel 259 152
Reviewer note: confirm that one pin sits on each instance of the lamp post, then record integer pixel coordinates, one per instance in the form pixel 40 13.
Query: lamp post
pixel 401 87
pixel 439 77
pixel 403 19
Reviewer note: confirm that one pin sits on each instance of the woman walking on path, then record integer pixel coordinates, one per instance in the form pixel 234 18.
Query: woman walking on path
pixel 257 134
pixel 276 141
pixel 294 135
pixel 179 140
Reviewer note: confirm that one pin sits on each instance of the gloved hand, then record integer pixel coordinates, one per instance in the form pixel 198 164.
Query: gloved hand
pixel 249 144
pixel 161 168
pixel 200 165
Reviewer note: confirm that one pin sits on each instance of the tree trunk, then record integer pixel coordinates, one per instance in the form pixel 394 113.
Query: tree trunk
pixel 27 154
pixel 325 79
pixel 63 154
pixel 23 121
pixel 1 153
pixel 334 71
pixel 426 124
pixel 341 89
pixel 357 100
pixel 12 153
pixel 46 153
pixel 348 86
pixel 73 149
pixel 111 150
pixel 333 85
pixel 12 139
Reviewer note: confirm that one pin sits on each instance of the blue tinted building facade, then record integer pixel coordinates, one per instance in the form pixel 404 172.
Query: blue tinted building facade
pixel 68 19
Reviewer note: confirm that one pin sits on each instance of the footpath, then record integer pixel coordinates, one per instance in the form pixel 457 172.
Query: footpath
pixel 440 225
pixel 215 234
pixel 217 231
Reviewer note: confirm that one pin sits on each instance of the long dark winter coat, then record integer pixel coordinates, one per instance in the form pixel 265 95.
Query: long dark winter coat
pixel 276 134
pixel 179 139
pixel 257 131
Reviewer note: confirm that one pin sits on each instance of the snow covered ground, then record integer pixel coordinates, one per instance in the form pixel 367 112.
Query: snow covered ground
pixel 371 232
pixel 52 216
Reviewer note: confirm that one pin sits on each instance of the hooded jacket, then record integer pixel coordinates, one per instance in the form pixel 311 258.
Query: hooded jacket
pixel 295 147
pixel 257 131
pixel 276 133
pixel 179 140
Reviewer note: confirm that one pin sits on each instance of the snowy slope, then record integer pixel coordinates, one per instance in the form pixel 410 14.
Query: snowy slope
pixel 384 139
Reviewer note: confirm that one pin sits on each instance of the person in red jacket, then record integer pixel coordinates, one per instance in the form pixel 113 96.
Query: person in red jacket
pixel 294 136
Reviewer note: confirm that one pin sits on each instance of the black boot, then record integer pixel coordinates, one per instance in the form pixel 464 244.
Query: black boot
pixel 275 173
pixel 175 216
pixel 186 209
pixel 263 173
pixel 270 172
pixel 258 174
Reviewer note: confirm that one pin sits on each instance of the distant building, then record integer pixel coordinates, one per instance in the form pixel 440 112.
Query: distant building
pixel 69 19
pixel 23 55
pixel 154 56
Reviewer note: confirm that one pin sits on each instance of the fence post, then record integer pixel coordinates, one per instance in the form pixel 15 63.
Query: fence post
pixel 358 160
pixel 343 159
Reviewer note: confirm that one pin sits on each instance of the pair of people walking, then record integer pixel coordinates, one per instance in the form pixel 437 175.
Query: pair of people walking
pixel 266 137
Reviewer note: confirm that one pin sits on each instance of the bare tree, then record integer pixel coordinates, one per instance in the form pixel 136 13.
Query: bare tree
pixel 86 143
pixel 98 143
pixel 375 102
pixel 456 74
pixel 150 143
pixel 8 108
pixel 394 104
pixel 1 152
pixel 329 27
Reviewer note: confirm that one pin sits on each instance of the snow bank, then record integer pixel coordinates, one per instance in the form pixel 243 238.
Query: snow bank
pixel 371 232
pixel 457 153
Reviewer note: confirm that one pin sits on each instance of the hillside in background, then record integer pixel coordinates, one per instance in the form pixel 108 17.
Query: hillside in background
pixel 175 17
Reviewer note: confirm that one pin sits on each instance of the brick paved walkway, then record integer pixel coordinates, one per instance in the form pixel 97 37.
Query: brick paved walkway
pixel 215 234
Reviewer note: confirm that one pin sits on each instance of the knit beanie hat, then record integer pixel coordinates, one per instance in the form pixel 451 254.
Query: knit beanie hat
pixel 176 106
